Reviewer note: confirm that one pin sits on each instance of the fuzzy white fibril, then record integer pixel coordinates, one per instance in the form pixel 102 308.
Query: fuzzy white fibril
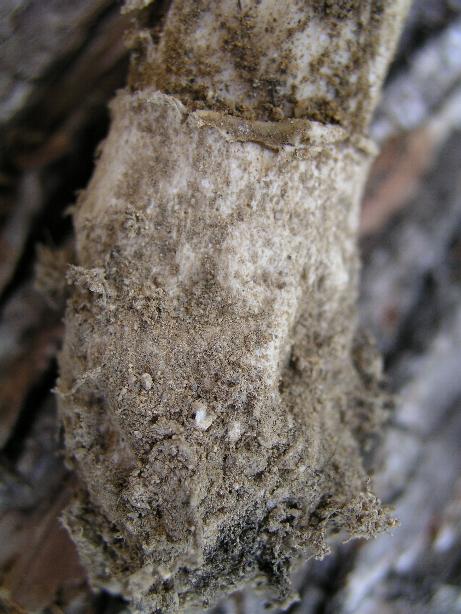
pixel 216 251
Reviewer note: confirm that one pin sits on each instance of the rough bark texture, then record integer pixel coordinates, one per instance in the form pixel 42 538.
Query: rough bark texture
pixel 411 296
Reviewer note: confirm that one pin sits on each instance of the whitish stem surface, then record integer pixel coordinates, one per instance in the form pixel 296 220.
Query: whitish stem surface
pixel 217 401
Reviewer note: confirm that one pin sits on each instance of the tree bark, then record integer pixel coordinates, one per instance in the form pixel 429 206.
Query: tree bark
pixel 410 290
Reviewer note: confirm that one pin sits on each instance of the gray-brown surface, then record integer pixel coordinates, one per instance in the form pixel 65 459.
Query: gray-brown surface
pixel 217 397
pixel 414 252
